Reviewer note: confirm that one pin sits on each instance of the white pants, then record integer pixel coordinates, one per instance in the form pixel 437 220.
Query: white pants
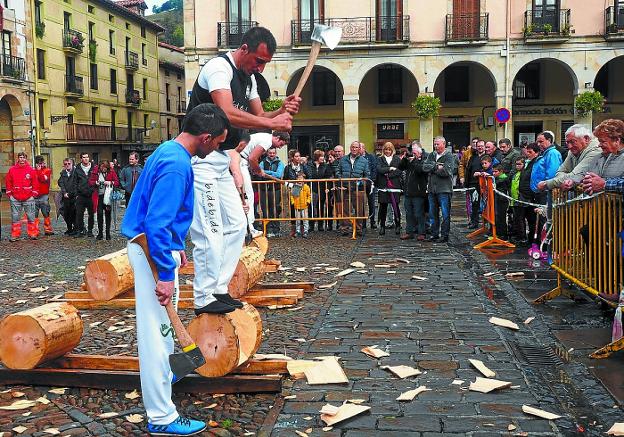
pixel 218 228
pixel 248 190
pixel 154 338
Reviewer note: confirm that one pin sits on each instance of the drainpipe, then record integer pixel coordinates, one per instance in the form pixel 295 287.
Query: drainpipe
pixel 35 106
pixel 507 42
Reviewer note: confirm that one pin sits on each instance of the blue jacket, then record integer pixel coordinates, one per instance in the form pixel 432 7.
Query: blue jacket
pixel 162 205
pixel 372 165
pixel 360 168
pixel 273 168
pixel 545 167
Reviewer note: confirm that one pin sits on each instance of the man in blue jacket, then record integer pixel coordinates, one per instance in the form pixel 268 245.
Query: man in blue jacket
pixel 371 193
pixel 161 206
pixel 546 165
pixel 353 165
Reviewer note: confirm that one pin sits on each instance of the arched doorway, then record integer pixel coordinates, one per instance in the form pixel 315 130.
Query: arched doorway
pixel 543 99
pixel 608 81
pixel 7 158
pixel 385 114
pixel 467 91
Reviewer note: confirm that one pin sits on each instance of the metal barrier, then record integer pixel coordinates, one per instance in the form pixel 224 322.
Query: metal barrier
pixel 331 199
pixel 586 249
pixel 486 188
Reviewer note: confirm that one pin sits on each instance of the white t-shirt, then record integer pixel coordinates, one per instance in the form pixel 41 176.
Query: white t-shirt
pixel 217 75
pixel 260 139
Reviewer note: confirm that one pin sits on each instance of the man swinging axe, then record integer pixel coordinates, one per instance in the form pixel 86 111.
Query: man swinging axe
pixel 161 207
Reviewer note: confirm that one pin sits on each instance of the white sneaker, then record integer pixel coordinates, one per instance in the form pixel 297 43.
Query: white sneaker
pixel 256 233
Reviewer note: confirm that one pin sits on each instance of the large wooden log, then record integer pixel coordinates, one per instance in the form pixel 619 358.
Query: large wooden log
pixel 261 243
pixel 109 276
pixel 226 340
pixel 249 271
pixel 31 337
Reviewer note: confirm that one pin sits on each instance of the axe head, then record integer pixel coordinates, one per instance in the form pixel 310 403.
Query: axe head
pixel 184 363
pixel 328 35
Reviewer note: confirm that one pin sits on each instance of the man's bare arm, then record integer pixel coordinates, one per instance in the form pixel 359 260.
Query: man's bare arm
pixel 254 120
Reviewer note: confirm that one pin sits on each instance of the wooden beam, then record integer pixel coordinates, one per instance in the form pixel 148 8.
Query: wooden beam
pixel 264 301
pixel 295 292
pixel 126 303
pixel 307 286
pixel 262 367
pixel 129 380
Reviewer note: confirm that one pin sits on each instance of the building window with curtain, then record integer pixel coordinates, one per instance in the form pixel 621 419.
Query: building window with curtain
pixel 457 83
pixel 390 84
pixel 323 88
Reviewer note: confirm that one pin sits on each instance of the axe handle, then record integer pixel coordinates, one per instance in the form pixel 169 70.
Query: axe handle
pixel 314 52
pixel 184 338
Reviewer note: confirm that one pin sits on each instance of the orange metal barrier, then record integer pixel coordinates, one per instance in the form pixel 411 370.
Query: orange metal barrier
pixel 344 200
pixel 486 188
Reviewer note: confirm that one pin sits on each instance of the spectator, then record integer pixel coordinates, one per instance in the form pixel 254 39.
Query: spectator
pixel 84 195
pixel 486 166
pixel 440 165
pixel 509 156
pixel 584 151
pixel 371 191
pixel 562 150
pixel 388 178
pixel 130 175
pixel 68 194
pixel 319 170
pixel 415 192
pixel 609 173
pixel 300 199
pixel 518 228
pixel 335 194
pixel 465 158
pixel 42 201
pixel 526 213
pixel 104 178
pixel 271 194
pixel 293 168
pixel 546 165
pixel 353 166
pixel 22 187
pixel 492 150
pixel 471 181
pixel 501 203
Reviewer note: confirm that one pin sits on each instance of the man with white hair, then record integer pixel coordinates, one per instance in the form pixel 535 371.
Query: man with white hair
pixel 440 164
pixel 584 151
pixel 415 191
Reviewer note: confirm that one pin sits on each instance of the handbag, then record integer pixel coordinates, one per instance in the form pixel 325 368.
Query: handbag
pixel 108 191
pixel 116 196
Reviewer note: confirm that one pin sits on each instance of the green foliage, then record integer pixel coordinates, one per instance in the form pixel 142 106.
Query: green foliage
pixel 548 28
pixel 92 50
pixel 172 21
pixel 272 105
pixel 588 102
pixel 40 29
pixel 426 106
pixel 528 30
pixel 169 5
pixel 177 37
pixel 227 423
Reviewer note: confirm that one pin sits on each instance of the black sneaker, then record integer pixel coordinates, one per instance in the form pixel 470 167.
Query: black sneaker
pixel 229 300
pixel 215 307
pixel 433 238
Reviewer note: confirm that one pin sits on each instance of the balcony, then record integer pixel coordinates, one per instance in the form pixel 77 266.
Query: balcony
pixel 614 23
pixel 132 60
pixel 547 25
pixel 467 29
pixel 133 97
pixel 357 31
pixel 230 33
pixel 12 68
pixel 87 133
pixel 73 41
pixel 182 107
pixel 74 86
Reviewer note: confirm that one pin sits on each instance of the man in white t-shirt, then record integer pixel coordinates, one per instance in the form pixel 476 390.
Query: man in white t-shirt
pixel 219 221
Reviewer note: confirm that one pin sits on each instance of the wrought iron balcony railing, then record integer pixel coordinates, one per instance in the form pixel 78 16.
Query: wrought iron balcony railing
pixel 132 60
pixel 462 28
pixel 74 85
pixel 230 33
pixel 13 67
pixel 357 30
pixel 73 40
pixel 87 132
pixel 547 22
pixel 614 21
pixel 133 97
pixel 182 107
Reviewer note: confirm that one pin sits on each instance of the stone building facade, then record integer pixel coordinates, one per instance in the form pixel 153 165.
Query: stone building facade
pixel 172 89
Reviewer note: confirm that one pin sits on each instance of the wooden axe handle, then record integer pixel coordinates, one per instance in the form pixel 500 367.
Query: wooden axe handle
pixel 184 338
pixel 314 52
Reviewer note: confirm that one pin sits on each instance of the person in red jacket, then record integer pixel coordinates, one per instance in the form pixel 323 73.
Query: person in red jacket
pixel 42 202
pixel 22 187
pixel 104 178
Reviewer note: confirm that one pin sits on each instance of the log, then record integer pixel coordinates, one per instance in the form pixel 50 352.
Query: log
pixel 261 243
pixel 34 336
pixel 226 340
pixel 249 271
pixel 109 276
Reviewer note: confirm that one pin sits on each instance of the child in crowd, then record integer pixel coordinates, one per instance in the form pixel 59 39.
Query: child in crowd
pixel 518 227
pixel 300 199
pixel 501 203
pixel 486 166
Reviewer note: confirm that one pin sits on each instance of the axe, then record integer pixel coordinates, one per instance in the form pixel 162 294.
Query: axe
pixel 191 357
pixel 322 34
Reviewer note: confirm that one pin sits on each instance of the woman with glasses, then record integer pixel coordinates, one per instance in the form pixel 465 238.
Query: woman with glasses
pixel 105 178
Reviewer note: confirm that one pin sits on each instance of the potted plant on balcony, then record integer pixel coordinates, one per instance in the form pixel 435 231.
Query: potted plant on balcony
pixel 271 105
pixel 547 29
pixel 92 50
pixel 588 102
pixel 39 29
pixel 528 30
pixel 426 106
pixel 77 41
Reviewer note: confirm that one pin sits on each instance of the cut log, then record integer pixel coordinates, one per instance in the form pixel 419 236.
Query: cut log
pixel 226 340
pixel 249 271
pixel 109 275
pixel 261 243
pixel 34 336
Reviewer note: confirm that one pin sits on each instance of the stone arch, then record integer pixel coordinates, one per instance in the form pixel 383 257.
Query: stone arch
pixel 471 63
pixel 293 79
pixel 10 109
pixel 608 82
pixel 515 69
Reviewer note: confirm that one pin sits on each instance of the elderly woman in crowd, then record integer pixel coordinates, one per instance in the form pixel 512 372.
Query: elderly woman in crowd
pixel 610 166
pixel 388 183
pixel 104 178
pixel 319 170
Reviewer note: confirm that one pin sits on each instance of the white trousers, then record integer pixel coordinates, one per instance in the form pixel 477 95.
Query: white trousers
pixel 248 190
pixel 154 338
pixel 218 228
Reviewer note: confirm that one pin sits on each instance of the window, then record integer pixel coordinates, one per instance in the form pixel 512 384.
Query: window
pixel 323 88
pixel 145 122
pixel 527 84
pixel 457 83
pixel 91 31
pixel 6 3
pixel 142 31
pixel 389 22
pixel 390 84
pixel 94 76
pixel 168 128
pixel 143 58
pixel 111 42
pixel 66 20
pixel 239 10
pixel 168 100
pixel 6 45
pixel 41 64
pixel 38 12
pixel 127 26
pixel 111 18
pixel 94 111
pixel 42 118
pixel 311 10
pixel 145 89
pixel 113 81
pixel 166 72
pixel 113 123
pixel 179 76
pixel 91 9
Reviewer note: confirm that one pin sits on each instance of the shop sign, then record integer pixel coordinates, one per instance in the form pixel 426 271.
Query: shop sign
pixel 544 110
pixel 391 131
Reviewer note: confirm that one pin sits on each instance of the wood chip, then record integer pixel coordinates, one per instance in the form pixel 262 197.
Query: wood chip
pixel 132 395
pixel 272 357
pixel 52 431
pixel 108 415
pixel 300 269
pixel 20 429
pixel 308 418
pixel 345 411
pixel 213 424
pixel 43 400
pixel 356 401
pixel 22 404
pixel 94 324
pixel 328 428
pixel 32 275
pixel 457 382
pixel 511 427
pixel 345 272
pixel 488 274
pixel 362 271
pixel 514 275
pixel 529 320
pixel 294 309
pixel 391 272
pixel 539 413
pixel 402 260
pixel 331 269
pixel 218 395
pixel 322 287
pixel 402 371
pixel 411 394
pixel 290 397
pixel 420 278
pixel 486 385
pixel 616 429
pixel 58 391
pixel 329 409
pixel 308 431
pixel 358 265
pixel 300 340
pixel 211 406
pixel 375 352
pixel 383 266
pixel 301 434
pixel 134 418
pixel 478 364
pixel 17 394
pixel 504 323
pixel 38 289
pixel 19 302
pixel 328 371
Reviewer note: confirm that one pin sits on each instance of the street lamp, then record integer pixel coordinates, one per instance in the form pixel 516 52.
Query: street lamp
pixel 70 113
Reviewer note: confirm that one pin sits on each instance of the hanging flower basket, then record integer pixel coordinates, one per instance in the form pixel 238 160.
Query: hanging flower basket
pixel 426 106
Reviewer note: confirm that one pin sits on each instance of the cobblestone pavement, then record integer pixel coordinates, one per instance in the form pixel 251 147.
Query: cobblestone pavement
pixel 435 324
